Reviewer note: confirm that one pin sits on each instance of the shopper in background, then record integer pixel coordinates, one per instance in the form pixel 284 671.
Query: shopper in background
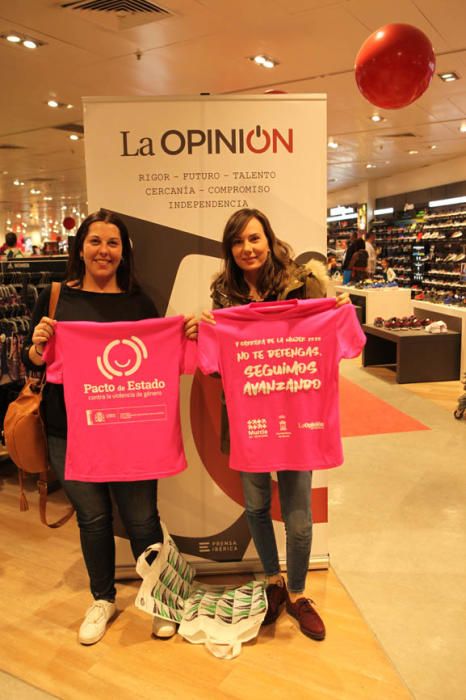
pixel 100 286
pixel 11 248
pixel 389 273
pixel 332 265
pixel 358 262
pixel 259 267
pixel 347 257
pixel 372 255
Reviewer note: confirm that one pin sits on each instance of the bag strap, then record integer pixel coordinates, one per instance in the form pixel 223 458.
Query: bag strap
pixel 42 481
pixel 43 491
pixel 54 295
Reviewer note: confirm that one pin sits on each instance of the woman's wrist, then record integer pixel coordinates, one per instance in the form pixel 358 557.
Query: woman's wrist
pixel 35 355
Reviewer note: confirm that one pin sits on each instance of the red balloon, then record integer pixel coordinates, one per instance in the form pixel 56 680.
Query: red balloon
pixel 394 66
pixel 69 223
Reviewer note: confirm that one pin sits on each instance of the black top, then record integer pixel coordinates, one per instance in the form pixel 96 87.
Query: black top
pixel 77 305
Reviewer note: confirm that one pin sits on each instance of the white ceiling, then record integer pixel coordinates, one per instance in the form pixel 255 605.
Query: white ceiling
pixel 203 46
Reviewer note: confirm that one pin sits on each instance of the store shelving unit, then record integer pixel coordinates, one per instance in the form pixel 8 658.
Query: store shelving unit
pixel 445 233
pixel 395 238
pixel 338 236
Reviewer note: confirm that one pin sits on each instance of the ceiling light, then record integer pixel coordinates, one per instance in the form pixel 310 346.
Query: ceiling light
pixel 332 144
pixel 413 152
pixel 433 147
pixel 61 105
pixel 48 199
pixel 339 210
pixel 376 118
pixel 463 128
pixel 450 200
pixel 34 191
pixel 74 137
pixel 342 217
pixel 387 210
pixel 448 77
pixel 370 165
pixel 21 40
pixel 264 61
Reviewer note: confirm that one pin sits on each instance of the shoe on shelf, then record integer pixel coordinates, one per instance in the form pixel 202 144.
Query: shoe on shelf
pixel 310 622
pixel 276 595
pixel 95 621
pixel 163 628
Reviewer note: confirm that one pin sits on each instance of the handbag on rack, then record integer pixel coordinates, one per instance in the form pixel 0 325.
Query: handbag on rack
pixel 25 436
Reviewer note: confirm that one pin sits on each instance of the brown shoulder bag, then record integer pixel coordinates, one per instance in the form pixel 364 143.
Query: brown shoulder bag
pixel 25 435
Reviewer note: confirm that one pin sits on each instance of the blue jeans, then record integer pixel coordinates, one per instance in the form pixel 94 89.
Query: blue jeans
pixel 137 505
pixel 346 276
pixel 294 489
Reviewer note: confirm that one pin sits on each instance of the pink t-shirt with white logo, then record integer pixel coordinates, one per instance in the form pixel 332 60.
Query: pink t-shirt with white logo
pixel 279 366
pixel 121 386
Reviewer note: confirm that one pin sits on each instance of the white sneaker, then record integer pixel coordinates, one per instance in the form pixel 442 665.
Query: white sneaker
pixel 163 628
pixel 95 621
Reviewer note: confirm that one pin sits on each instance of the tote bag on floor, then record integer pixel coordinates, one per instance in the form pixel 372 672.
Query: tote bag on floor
pixel 221 617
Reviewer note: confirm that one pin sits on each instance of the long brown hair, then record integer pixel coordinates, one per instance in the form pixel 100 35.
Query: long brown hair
pixel 273 275
pixel 125 273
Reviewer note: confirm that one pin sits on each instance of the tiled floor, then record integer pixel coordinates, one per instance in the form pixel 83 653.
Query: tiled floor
pixel 398 536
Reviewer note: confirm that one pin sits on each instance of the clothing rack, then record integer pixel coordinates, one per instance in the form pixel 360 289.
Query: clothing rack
pixel 21 281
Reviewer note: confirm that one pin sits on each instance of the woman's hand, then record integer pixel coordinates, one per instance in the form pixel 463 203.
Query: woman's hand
pixel 40 336
pixel 208 317
pixel 343 298
pixel 191 326
pixel 42 333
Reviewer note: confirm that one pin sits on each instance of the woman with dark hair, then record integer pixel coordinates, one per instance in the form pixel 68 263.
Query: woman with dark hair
pixel 347 257
pixel 100 286
pixel 259 267
pixel 358 262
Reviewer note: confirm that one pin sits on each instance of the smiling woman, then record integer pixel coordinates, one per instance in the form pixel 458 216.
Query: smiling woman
pixel 259 267
pixel 102 255
pixel 100 286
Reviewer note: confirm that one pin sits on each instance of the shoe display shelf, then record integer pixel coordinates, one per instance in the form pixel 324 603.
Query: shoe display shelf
pixel 445 234
pixel 395 238
pixel 453 316
pixel 384 302
pixel 416 355
pixel 338 236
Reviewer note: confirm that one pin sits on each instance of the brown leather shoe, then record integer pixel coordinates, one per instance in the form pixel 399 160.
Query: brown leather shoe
pixel 310 622
pixel 276 595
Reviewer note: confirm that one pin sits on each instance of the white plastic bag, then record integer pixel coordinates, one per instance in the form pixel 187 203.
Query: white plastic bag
pixel 166 581
pixel 221 617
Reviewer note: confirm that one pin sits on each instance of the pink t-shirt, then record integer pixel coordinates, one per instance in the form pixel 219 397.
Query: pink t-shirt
pixel 121 386
pixel 279 366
